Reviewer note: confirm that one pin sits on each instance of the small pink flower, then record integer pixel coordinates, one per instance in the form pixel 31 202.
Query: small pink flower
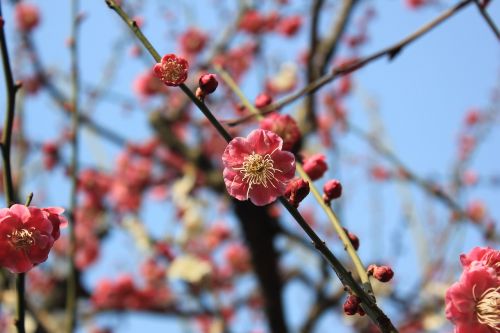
pixel 253 22
pixel 473 303
pixel 27 16
pixel 237 257
pixel 147 84
pixel 289 26
pixel 256 168
pixel 27 235
pixel 286 127
pixel 315 166
pixel 172 70
pixel 192 41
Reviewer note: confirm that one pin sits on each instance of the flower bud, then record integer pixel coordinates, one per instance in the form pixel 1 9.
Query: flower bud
pixel 27 16
pixel 381 273
pixel 352 306
pixel 208 83
pixel 263 100
pixel 332 190
pixel 315 166
pixel 353 238
pixel 286 127
pixel 296 191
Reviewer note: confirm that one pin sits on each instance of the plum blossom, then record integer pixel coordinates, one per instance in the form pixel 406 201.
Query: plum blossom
pixel 256 168
pixel 27 235
pixel 172 70
pixel 473 303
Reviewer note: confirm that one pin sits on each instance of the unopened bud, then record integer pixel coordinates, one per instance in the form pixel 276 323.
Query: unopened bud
pixel 208 83
pixel 352 306
pixel 263 100
pixel 332 190
pixel 315 166
pixel 381 273
pixel 353 238
pixel 296 191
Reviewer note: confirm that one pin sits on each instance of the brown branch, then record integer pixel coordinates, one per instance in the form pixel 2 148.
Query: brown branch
pixel 307 118
pixel 328 47
pixel 391 51
pixel 488 19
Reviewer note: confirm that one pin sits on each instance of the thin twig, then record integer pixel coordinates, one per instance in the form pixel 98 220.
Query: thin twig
pixel 488 19
pixel 391 51
pixel 71 294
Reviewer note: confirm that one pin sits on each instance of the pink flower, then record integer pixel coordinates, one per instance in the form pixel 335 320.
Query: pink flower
pixel 286 127
pixel 289 26
pixel 27 16
pixel 237 257
pixel 482 256
pixel 315 166
pixel 147 84
pixel 27 235
pixel 256 168
pixel 172 70
pixel 253 22
pixel 192 41
pixel 473 303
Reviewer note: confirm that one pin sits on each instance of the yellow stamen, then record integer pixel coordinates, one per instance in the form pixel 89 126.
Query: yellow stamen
pixel 22 238
pixel 172 71
pixel 258 170
pixel 488 308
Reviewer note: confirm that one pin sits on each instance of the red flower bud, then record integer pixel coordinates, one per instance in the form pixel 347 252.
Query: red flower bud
pixel 315 166
pixel 353 238
pixel 263 100
pixel 296 191
pixel 381 273
pixel 332 190
pixel 208 83
pixel 352 306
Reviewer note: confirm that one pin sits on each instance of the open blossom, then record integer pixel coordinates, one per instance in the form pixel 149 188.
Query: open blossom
pixel 286 127
pixel 27 235
pixel 172 70
pixel 473 303
pixel 193 41
pixel 256 168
